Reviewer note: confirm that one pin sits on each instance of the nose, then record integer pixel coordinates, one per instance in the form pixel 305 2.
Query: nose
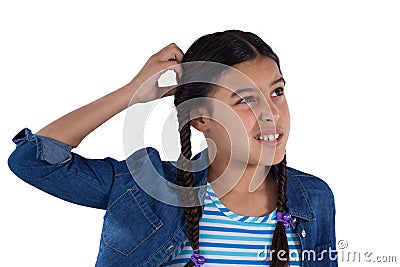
pixel 271 117
pixel 269 114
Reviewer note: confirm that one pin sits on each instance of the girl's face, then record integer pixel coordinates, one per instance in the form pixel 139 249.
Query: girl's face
pixel 249 110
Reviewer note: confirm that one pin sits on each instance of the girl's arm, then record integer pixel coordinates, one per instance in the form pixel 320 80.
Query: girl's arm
pixel 73 127
pixel 45 160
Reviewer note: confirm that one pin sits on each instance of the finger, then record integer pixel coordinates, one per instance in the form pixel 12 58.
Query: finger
pixel 170 52
pixel 178 70
pixel 178 54
pixel 168 90
pixel 172 65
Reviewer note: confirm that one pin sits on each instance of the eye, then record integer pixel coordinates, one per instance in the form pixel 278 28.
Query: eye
pixel 246 99
pixel 278 92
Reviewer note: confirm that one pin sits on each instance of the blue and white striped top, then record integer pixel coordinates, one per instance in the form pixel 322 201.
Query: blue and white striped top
pixel 229 239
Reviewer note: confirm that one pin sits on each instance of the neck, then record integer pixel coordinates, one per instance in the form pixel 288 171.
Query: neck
pixel 235 177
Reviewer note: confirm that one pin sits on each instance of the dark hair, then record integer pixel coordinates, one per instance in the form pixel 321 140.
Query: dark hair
pixel 229 48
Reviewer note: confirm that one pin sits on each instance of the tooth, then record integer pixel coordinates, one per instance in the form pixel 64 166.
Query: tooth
pixel 270 137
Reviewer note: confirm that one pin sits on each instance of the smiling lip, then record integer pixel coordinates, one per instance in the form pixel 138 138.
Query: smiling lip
pixel 271 143
pixel 268 132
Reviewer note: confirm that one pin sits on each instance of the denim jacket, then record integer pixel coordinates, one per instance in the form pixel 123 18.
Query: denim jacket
pixel 139 230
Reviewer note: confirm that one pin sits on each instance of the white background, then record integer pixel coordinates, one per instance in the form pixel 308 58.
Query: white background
pixel 340 60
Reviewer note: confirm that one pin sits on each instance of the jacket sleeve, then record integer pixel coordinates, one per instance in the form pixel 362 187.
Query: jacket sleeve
pixel 49 165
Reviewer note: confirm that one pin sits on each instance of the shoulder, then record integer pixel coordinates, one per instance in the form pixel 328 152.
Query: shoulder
pixel 146 160
pixel 142 156
pixel 313 186
pixel 149 157
pixel 310 197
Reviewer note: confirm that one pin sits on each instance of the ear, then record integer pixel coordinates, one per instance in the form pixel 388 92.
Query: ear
pixel 199 119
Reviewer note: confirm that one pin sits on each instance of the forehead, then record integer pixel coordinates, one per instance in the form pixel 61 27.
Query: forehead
pixel 257 73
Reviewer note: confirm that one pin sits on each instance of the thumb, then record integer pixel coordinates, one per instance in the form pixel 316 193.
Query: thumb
pixel 168 90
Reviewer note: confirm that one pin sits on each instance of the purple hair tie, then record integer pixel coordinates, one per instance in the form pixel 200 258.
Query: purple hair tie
pixel 284 218
pixel 197 258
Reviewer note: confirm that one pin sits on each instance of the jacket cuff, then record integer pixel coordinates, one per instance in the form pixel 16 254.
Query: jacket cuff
pixel 48 149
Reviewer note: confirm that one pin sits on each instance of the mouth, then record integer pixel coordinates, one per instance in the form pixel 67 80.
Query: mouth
pixel 270 137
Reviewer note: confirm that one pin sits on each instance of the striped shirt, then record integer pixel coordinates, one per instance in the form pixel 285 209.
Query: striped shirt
pixel 229 239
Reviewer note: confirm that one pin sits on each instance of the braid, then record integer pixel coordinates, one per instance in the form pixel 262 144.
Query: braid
pixel 282 185
pixel 279 240
pixel 185 178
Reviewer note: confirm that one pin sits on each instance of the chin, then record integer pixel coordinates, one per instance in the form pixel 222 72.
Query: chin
pixel 278 157
pixel 276 160
pixel 269 161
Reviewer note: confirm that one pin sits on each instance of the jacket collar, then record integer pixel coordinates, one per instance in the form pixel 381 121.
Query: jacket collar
pixel 297 201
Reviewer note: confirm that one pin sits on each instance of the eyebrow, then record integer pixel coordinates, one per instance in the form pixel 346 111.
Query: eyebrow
pixel 281 79
pixel 242 90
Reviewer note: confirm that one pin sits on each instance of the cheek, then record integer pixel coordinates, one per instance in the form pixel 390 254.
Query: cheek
pixel 248 119
pixel 284 112
pixel 233 127
pixel 235 120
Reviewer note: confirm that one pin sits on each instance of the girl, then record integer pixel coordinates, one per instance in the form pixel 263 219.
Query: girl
pixel 247 215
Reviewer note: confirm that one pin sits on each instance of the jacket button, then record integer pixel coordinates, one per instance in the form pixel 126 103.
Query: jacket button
pixel 169 249
pixel 303 233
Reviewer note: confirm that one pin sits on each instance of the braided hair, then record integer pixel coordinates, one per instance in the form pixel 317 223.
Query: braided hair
pixel 229 48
